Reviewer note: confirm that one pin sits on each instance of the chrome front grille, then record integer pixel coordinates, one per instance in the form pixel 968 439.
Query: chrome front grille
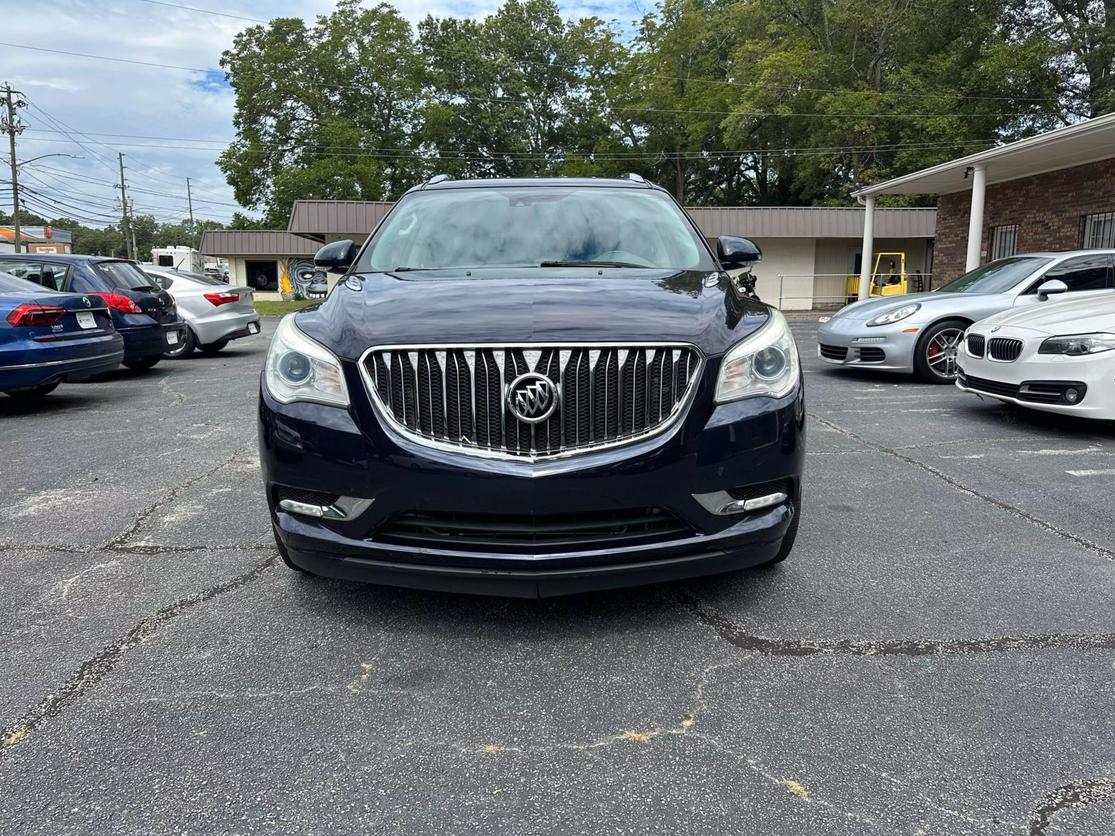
pixel 457 397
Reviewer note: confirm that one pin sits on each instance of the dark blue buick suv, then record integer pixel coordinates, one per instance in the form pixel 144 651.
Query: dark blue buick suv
pixel 529 388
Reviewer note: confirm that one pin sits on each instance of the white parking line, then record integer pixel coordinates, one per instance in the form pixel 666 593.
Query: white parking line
pixel 1107 472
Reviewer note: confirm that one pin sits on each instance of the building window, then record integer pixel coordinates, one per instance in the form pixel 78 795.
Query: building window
pixel 1099 230
pixel 1004 241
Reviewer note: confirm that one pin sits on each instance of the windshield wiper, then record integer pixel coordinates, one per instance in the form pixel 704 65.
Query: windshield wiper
pixel 592 264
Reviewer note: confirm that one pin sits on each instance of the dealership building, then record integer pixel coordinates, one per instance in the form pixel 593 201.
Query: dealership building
pixel 1054 191
pixel 808 252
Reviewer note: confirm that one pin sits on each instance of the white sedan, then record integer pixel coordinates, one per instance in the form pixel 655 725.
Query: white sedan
pixel 1058 357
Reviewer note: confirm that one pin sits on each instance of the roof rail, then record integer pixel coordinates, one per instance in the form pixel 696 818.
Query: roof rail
pixel 437 178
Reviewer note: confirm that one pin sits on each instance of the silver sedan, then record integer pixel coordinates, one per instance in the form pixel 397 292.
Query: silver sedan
pixel 214 312
pixel 921 332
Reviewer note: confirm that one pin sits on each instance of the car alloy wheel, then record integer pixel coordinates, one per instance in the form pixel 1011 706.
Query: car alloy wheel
pixel 940 352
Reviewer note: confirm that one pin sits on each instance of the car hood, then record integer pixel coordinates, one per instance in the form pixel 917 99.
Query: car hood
pixel 565 305
pixel 868 308
pixel 1079 316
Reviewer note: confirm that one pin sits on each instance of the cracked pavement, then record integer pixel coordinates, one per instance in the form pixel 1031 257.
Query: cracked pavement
pixel 936 657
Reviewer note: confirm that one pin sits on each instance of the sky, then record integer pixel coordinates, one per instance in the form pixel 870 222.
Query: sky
pixel 170 124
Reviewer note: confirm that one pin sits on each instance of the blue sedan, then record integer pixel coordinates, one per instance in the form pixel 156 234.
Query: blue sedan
pixel 47 337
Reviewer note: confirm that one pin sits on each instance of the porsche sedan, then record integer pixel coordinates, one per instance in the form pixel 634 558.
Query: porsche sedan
pixel 922 332
pixel 1056 358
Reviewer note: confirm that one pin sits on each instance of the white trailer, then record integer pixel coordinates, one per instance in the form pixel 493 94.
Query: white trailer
pixel 179 258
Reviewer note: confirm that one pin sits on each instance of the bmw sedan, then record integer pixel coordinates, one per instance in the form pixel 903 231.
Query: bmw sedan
pixel 922 332
pixel 533 387
pixel 48 337
pixel 1055 358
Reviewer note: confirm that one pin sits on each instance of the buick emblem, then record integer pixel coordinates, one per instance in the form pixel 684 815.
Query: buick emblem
pixel 532 397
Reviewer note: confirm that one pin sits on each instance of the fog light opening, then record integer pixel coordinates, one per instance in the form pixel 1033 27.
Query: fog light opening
pixel 1071 395
pixel 740 506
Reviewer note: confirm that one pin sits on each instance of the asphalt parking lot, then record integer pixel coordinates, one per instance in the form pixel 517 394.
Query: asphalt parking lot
pixel 936 657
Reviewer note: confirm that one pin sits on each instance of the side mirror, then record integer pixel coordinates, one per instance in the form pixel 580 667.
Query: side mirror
pixel 1051 288
pixel 336 257
pixel 735 252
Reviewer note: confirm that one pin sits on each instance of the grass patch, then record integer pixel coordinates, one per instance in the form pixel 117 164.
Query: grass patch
pixel 278 308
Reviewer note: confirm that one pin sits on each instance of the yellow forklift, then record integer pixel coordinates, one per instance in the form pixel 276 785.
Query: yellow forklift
pixel 888 278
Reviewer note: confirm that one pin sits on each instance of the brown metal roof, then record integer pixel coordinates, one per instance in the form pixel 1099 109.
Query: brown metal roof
pixel 226 242
pixel 319 218
pixel 811 221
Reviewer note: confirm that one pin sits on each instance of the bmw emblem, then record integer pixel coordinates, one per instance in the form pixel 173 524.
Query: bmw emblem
pixel 995 328
pixel 532 397
pixel 85 299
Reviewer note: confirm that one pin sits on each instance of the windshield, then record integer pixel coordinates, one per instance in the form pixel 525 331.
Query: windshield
pixel 123 275
pixel 14 284
pixel 525 227
pixel 996 277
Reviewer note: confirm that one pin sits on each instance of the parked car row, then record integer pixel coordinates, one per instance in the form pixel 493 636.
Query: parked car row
pixel 70 317
pixel 1036 330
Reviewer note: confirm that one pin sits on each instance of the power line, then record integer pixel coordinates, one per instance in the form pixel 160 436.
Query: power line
pixel 484 155
pixel 204 11
pixel 742 84
pixel 510 101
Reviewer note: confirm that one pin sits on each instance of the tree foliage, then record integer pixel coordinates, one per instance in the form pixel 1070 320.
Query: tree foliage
pixel 760 101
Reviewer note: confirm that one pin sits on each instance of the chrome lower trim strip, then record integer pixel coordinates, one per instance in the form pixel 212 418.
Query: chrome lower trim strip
pixel 63 362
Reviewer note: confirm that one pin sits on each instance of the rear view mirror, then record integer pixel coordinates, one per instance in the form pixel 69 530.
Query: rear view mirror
pixel 735 252
pixel 1051 288
pixel 336 257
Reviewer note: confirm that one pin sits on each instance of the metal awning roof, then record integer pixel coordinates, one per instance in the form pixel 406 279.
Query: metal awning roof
pixel 811 221
pixel 1073 145
pixel 318 218
pixel 266 242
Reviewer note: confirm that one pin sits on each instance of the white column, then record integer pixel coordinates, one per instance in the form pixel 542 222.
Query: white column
pixel 975 219
pixel 868 258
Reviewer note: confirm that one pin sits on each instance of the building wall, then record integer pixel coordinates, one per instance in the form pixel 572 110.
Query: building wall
pixel 793 259
pixel 1048 208
pixel 836 261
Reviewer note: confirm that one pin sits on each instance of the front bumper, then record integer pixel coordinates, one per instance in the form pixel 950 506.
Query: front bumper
pixel 849 342
pixel 733 446
pixel 1033 379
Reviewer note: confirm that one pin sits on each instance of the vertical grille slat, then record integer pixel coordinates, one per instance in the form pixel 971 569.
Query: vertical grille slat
pixel 458 394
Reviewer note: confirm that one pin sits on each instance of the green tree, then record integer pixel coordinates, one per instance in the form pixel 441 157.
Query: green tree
pixel 324 111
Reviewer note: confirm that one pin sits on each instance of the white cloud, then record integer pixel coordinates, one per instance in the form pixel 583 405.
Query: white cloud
pixel 100 98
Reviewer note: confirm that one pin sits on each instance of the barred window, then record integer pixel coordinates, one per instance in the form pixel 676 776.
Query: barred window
pixel 1004 241
pixel 1099 230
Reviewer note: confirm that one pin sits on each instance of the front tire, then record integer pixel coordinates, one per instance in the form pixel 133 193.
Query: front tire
pixel 787 541
pixel 35 393
pixel 143 363
pixel 935 354
pixel 284 555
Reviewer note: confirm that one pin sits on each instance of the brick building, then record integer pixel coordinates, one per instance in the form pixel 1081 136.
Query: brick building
pixel 1054 191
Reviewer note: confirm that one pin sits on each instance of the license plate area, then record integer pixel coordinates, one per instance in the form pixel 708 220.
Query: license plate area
pixel 85 319
pixel 172 338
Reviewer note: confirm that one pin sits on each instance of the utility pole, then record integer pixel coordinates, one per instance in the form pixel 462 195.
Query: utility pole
pixel 11 126
pixel 128 240
pixel 190 201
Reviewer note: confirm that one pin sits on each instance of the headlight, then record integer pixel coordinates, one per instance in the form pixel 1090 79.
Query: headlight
pixel 897 315
pixel 1078 344
pixel 766 363
pixel 299 369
